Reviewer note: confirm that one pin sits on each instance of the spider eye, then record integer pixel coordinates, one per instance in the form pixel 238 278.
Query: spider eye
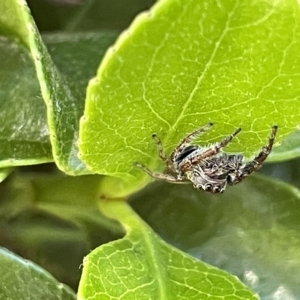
pixel 208 187
pixel 217 189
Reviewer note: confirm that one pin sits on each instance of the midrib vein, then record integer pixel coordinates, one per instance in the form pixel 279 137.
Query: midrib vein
pixel 207 66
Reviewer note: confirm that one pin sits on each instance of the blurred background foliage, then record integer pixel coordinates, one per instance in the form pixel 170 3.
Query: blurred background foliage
pixel 69 235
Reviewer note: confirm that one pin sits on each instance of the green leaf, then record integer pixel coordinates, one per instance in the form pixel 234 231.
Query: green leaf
pixel 288 149
pixel 184 64
pixel 142 266
pixel 54 221
pixel 287 171
pixel 63 109
pixel 21 279
pixel 11 20
pixel 251 231
pixel 61 102
pixel 5 173
pixel 24 132
pixel 62 84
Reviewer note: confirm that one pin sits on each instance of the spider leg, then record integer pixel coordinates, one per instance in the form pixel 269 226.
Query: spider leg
pixel 188 139
pixel 161 152
pixel 257 162
pixel 161 176
pixel 188 162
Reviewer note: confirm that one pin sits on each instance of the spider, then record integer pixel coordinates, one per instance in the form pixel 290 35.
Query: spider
pixel 207 168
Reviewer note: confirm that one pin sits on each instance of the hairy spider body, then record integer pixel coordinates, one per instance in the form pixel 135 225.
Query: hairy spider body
pixel 207 168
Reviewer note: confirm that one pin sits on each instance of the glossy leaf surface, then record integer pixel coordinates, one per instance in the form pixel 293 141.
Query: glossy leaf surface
pixel 62 79
pixel 28 280
pixel 142 266
pixel 251 231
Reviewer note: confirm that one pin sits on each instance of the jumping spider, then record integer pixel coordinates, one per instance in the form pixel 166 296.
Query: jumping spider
pixel 207 168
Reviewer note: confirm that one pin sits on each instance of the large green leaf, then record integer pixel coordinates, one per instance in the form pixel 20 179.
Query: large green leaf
pixel 183 64
pixel 251 231
pixel 142 266
pixel 21 279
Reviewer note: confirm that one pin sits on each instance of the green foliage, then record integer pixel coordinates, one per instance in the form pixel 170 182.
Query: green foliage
pixel 134 265
pixel 229 65
pixel 177 67
pixel 252 230
pixel 4 173
pixel 61 87
pixel 28 280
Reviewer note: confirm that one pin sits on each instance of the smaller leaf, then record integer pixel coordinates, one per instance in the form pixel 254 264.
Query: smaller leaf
pixel 62 79
pixel 251 231
pixel 142 266
pixel 24 135
pixel 63 91
pixel 21 279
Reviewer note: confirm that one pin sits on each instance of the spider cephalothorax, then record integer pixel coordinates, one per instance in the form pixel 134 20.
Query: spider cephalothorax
pixel 207 168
